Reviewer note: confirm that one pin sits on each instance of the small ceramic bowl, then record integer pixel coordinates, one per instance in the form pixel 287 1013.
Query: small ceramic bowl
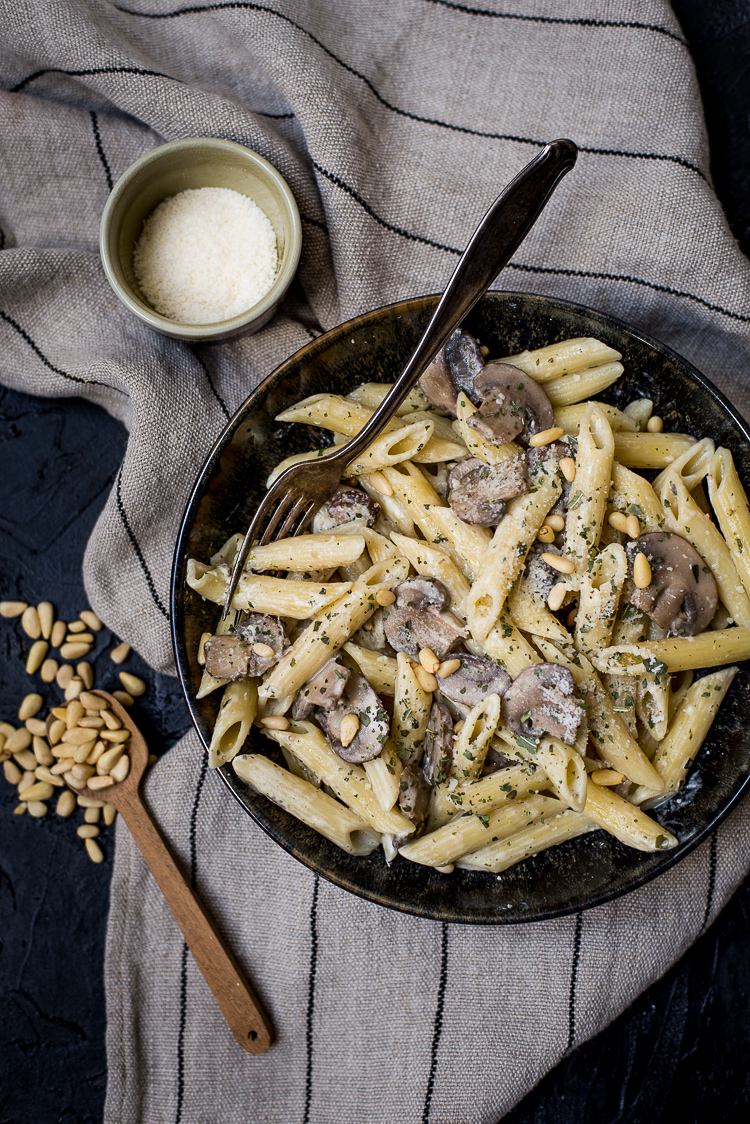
pixel 178 166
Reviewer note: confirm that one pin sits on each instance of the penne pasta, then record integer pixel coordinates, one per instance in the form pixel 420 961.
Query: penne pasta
pixel 279 596
pixel 547 363
pixel 569 389
pixel 588 496
pixel 676 653
pixel 531 840
pixel 729 501
pixel 237 711
pixel 625 821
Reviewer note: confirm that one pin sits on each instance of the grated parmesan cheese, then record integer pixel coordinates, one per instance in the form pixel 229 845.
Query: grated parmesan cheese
pixel 205 255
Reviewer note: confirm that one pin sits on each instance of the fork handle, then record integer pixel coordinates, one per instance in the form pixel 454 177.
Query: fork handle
pixel 493 243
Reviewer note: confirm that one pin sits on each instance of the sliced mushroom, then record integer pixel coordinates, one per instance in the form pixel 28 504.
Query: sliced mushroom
pixel 682 596
pixel 419 619
pixel 233 655
pixel 513 405
pixel 324 689
pixel 495 761
pixel 372 635
pixel 438 745
pixel 344 507
pixel 541 701
pixel 455 366
pixel 359 698
pixel 478 492
pixel 413 798
pixel 474 680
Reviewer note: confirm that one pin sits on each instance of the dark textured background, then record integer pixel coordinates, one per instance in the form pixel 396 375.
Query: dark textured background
pixel 682 1049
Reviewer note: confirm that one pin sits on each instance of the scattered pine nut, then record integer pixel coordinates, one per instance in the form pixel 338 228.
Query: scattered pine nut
pixel 546 534
pixel 66 804
pixel 562 565
pixel 447 668
pixel 90 619
pixel 74 782
pixel 30 706
pixel 349 729
pixel 43 774
pixel 99 748
pixel 93 811
pixel 37 809
pixel 42 751
pixel 31 624
pixel 109 812
pixel 48 671
pixel 275 722
pixel 381 483
pixel 37 790
pixel 123 698
pixel 77 736
pixel 556 522
pixel 46 618
pixel 85 672
pixel 28 777
pixel 81 638
pixel 74 651
pixel 58 634
pixel 265 651
pixel 63 766
pixel 546 437
pixel 94 851
pixel 37 727
pixel 36 656
pixel 429 660
pixel 557 596
pixel 607 777
pixel 19 810
pixel 385 597
pixel 426 681
pixel 12 773
pixel 82 772
pixel 76 626
pixel 64 676
pixel 25 759
pixel 619 521
pixel 633 527
pixel 459 726
pixel 73 689
pixel 201 645
pixel 115 735
pixel 132 684
pixel 641 571
pixel 655 424
pixel 82 752
pixel 74 711
pixel 120 653
pixel 90 722
pixel 93 702
pixel 87 831
pixel 89 802
pixel 111 721
pixel 109 759
pixel 18 741
pixel 121 769
pixel 100 782
pixel 11 609
pixel 6 729
pixel 568 469
pixel 55 731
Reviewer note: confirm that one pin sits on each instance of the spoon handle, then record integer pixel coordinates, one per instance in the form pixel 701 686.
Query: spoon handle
pixel 241 1009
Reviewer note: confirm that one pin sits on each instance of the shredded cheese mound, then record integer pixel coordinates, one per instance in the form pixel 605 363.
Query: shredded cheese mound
pixel 205 255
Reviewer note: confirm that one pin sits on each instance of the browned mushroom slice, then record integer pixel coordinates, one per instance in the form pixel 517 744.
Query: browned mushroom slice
pixel 682 596
pixel 437 384
pixel 324 689
pixel 419 620
pixel 227 657
pixel 360 699
pixel 475 679
pixel 344 507
pixel 495 761
pixel 513 404
pixel 413 797
pixel 454 367
pixel 235 655
pixel 541 701
pixel 478 492
pixel 438 745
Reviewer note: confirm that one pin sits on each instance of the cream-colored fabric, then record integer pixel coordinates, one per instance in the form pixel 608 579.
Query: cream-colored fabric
pixel 396 124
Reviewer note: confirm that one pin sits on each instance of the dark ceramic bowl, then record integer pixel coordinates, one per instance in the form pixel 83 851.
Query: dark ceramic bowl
pixel 576 875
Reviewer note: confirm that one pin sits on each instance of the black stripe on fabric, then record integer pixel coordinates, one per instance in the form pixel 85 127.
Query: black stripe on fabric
pixel 311 1000
pixel 314 222
pixel 2 239
pixel 137 548
pixel 246 4
pixel 275 116
pixel 100 148
pixel 214 391
pixel 437 1027
pixel 93 70
pixel 183 959
pixel 574 981
pixel 38 352
pixel 712 860
pixel 635 25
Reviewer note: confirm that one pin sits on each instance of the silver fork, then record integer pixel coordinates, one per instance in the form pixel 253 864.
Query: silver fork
pixel 289 504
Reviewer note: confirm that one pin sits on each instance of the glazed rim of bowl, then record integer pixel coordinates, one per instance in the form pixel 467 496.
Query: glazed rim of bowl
pixel 483 902
pixel 257 167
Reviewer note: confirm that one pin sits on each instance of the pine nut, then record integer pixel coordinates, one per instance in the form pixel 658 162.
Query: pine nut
pixel 76 626
pixel 55 731
pixel 349 729
pixel 111 721
pixel 546 437
pixel 25 759
pixel 37 809
pixel 123 698
pixel 85 672
pixel 73 650
pixel 562 565
pixel 100 782
pixel 607 777
pixel 109 759
pixel 447 668
pixel 120 653
pixel 37 727
pixel 88 722
pixel 82 772
pixel 18 741
pixel 109 812
pixel 447 869
pixel 426 681
pixel 39 790
pixel 121 769
pixel 570 620
pixel 557 596
pixel 81 638
pixel 46 618
pixel 48 671
pixel 633 526
pixel 556 522
pixel 64 676
pixel 263 650
pixel 459 726
pixel 77 736
pixel 385 597
pixel 60 712
pixel 11 609
pixel 62 767
pixel 58 634
pixel 93 810
pixel 93 702
pixel 73 781
pixel 42 751
pixel 381 483
pixel 94 851
pixel 115 735
pixel 546 534
pixel 568 469
pixel 429 660
pixel 619 521
pixel 96 752
pixel 31 624
pixel 90 619
pixel 66 804
pixel 655 424
pixel 201 646
pixel 90 802
pixel 43 774
pixel 87 831
pixel 641 571
pixel 19 810
pixel 6 729
pixel 132 684
pixel 73 689
pixel 12 773
pixel 275 722
pixel 28 777
pixel 36 656
pixel 30 706
pixel 82 752
pixel 75 711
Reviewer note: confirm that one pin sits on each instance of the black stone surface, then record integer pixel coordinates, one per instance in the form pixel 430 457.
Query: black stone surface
pixel 681 1052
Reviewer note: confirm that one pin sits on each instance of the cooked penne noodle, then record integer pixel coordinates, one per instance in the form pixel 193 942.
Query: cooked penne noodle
pixel 729 501
pixel 392 448
pixel 566 358
pixel 279 596
pixel 476 444
pixel 640 410
pixel 692 466
pixel 411 710
pixel 588 494
pixel 379 670
pixel 471 745
pixel 625 821
pixel 306 552
pixel 650 450
pixel 676 653
pixel 432 562
pixel 395 510
pixel 563 765
pixel 569 389
pixel 633 495
pixel 531 840
pixel 237 711
pixel 569 417
pixel 384 774
pixel 481 796
pixel 528 611
pixel 371 394
pixel 227 553
pixel 600 589
pixel 507 646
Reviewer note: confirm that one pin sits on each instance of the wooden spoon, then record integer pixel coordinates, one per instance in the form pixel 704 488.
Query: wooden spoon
pixel 247 1020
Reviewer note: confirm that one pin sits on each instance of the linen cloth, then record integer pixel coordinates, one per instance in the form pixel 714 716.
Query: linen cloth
pixel 396 124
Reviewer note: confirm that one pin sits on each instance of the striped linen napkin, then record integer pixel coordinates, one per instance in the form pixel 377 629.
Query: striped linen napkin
pixel 395 124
